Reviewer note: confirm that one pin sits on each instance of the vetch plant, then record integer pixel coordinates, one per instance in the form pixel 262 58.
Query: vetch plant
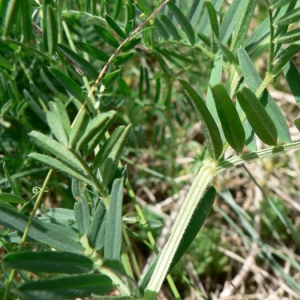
pixel 67 82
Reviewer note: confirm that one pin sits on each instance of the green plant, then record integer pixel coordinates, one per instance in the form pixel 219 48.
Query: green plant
pixel 63 113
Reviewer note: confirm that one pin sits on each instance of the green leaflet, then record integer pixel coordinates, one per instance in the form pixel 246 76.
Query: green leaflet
pixel 280 3
pixel 230 20
pixel 107 147
pixel 56 127
pixel 11 198
pixel 183 21
pixel 26 20
pixel 52 30
pixel 257 116
pixel 57 149
pixel 230 120
pixel 67 287
pixel 93 127
pixel 213 18
pixel 69 84
pixel 78 61
pixel 79 128
pixel 59 109
pixel 93 51
pixel 253 80
pixel 292 76
pixel 242 26
pixel 49 261
pixel 131 44
pixel 289 18
pixel 96 234
pixel 211 130
pixel 106 36
pixel 283 57
pixel 170 27
pixel 291 36
pixel 110 78
pixel 82 214
pixel 55 236
pixel 113 234
pixel 56 164
pixel 117 8
pixel 115 27
pixel 123 58
pixel 111 164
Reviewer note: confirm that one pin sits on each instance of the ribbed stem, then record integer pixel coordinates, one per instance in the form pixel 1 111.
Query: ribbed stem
pixel 203 179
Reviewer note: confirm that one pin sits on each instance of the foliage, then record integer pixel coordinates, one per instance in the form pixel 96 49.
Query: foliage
pixel 101 97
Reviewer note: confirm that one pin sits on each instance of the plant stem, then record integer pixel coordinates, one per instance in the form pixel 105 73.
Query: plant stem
pixel 203 179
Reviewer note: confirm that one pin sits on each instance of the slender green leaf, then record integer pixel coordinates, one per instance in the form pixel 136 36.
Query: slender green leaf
pixel 115 27
pixel 283 57
pixel 56 164
pixel 61 113
pixel 161 29
pixel 183 21
pixel 57 149
pixel 257 116
pixel 110 78
pixel 5 64
pixel 52 30
pixel 95 126
pixel 93 51
pixel 11 15
pixel 57 127
pixel 130 17
pixel 291 36
pixel 213 18
pixel 22 106
pixel 280 3
pixel 253 80
pixel 79 128
pixel 69 84
pixel 230 120
pixel 11 198
pixel 123 58
pixel 111 164
pixel 55 236
pixel 117 8
pixel 242 25
pixel 84 65
pixel 170 27
pixel 67 287
pixel 96 234
pixel 124 87
pixel 289 18
pixel 230 20
pixel 50 262
pixel 145 7
pixel 131 44
pixel 106 149
pixel 297 123
pixel 113 234
pixel 210 128
pixel 106 36
pixel 26 20
pixel 195 11
pixel 90 147
pixel 292 76
pixel 8 105
pixel 82 214
pixel 11 181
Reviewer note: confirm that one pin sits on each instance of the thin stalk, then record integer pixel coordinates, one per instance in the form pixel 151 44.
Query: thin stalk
pixel 203 179
pixel 272 34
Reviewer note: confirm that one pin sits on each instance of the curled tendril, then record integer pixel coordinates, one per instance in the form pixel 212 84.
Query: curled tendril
pixel 36 190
